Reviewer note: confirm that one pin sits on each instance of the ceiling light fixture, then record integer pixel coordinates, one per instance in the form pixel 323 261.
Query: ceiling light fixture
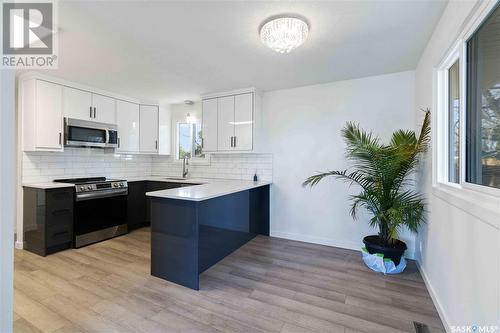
pixel 284 34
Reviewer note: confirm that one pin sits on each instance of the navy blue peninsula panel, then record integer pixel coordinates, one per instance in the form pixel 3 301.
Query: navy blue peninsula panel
pixel 188 237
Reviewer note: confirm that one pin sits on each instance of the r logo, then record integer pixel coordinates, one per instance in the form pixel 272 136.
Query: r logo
pixel 27 28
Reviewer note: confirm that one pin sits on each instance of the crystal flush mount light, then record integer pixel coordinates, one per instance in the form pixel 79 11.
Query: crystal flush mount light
pixel 284 34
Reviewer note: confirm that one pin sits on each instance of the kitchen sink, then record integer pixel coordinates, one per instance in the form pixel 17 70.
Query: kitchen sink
pixel 176 178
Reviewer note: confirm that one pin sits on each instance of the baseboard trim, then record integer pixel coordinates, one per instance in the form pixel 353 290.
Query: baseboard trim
pixel 19 245
pixel 328 241
pixel 434 298
pixel 316 240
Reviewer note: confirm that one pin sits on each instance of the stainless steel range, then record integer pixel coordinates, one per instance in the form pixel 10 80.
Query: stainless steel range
pixel 100 210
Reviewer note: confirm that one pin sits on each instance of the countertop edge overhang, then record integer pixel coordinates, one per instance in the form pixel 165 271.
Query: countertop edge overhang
pixel 209 190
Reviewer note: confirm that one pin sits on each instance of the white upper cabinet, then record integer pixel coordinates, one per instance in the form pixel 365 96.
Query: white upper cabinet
pixel 148 129
pixel 49 120
pixel 229 121
pixel 243 122
pixel 77 104
pixel 225 114
pixel 40 110
pixel 209 125
pixel 164 130
pixel 128 118
pixel 104 109
pixel 84 105
pixel 43 102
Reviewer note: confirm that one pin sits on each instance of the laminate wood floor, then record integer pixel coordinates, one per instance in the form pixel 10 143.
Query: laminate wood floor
pixel 268 285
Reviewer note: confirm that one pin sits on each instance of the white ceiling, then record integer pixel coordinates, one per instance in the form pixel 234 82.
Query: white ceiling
pixel 170 51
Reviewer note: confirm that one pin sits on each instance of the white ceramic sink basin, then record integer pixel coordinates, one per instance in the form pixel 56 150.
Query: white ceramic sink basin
pixel 176 178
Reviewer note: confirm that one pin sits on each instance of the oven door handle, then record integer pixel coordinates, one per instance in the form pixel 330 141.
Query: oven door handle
pixel 101 194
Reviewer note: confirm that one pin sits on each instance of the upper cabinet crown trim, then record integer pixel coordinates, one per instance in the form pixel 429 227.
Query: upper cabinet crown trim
pixel 52 79
pixel 230 93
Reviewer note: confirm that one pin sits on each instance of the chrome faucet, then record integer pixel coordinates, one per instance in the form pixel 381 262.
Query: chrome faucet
pixel 185 170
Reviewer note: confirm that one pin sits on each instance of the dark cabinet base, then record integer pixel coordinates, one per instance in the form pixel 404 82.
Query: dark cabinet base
pixel 48 220
pixel 188 237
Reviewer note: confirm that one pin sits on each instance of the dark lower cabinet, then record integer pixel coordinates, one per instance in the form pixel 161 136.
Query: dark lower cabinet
pixel 48 214
pixel 139 206
pixel 48 220
pixel 136 216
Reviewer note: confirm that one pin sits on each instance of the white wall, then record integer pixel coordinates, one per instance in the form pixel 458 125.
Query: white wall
pixel 458 252
pixel 302 129
pixel 7 197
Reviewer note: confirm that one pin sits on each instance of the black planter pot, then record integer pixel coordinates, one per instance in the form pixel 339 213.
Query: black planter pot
pixel 394 252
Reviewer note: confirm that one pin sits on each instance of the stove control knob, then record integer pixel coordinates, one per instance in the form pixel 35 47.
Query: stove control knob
pixel 81 188
pixel 121 184
pixel 89 187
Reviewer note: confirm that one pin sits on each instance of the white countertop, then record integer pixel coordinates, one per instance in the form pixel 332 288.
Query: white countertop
pixel 212 188
pixel 208 187
pixel 48 185
pixel 168 179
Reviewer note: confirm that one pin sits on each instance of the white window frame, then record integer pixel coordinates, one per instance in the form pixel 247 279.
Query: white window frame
pixel 441 120
pixel 479 200
pixel 175 149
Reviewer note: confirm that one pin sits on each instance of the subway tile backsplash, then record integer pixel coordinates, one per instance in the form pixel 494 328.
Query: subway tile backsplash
pixel 81 162
pixel 226 166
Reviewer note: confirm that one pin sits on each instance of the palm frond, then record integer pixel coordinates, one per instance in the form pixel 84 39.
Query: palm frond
pixel 424 138
pixel 403 138
pixel 354 177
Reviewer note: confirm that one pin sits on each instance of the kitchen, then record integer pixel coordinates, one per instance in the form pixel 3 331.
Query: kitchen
pixel 74 212
pixel 167 172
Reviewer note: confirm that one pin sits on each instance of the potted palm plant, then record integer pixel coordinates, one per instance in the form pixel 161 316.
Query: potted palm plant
pixel 384 173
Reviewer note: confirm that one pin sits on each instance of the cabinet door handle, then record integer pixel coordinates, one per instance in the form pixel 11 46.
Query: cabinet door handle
pixel 95 112
pixel 235 142
pixel 202 143
pixel 118 142
pixel 156 144
pixel 61 212
pixel 60 138
pixel 90 112
pixel 60 233
pixel 231 142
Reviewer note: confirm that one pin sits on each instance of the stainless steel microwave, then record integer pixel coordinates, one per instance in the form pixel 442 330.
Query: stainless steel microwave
pixel 82 133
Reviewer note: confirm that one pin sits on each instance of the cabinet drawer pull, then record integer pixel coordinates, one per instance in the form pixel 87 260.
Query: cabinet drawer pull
pixel 90 112
pixel 62 195
pixel 60 212
pixel 60 233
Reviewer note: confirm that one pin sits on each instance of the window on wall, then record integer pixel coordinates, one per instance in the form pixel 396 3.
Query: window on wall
pixel 189 140
pixel 468 109
pixel 454 123
pixel 483 104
